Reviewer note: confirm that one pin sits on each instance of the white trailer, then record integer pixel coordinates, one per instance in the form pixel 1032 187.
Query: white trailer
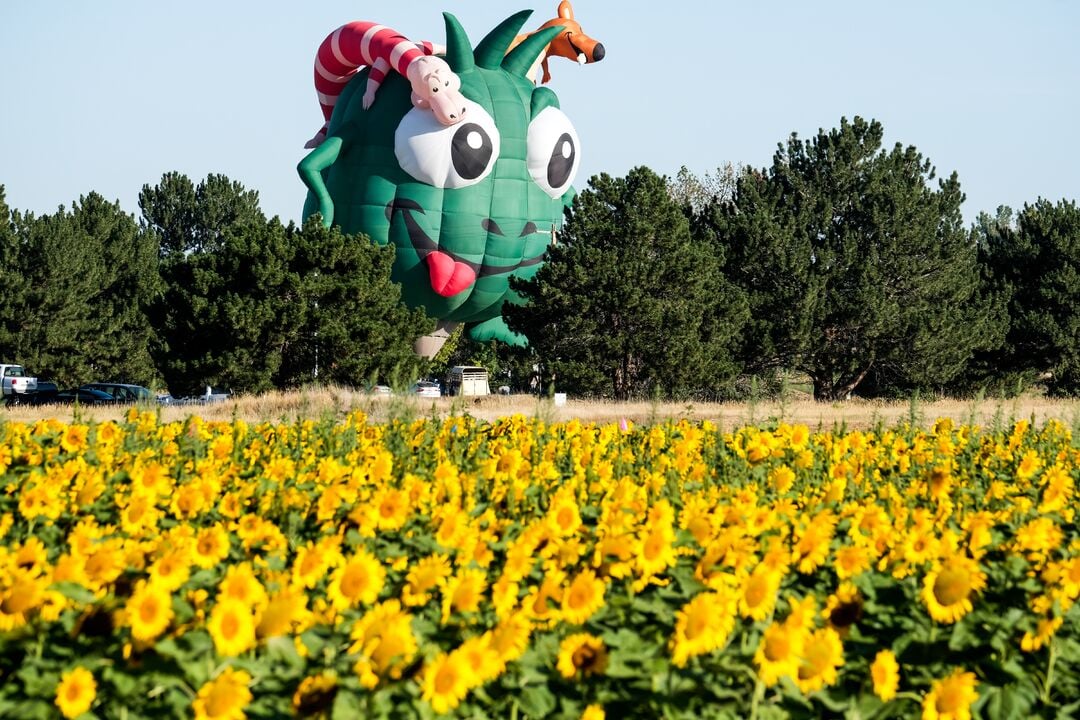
pixel 468 380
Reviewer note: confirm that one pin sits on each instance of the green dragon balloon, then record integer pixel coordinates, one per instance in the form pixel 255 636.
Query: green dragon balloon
pixel 467 205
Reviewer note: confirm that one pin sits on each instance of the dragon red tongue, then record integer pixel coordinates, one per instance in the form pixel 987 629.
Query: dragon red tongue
pixel 448 277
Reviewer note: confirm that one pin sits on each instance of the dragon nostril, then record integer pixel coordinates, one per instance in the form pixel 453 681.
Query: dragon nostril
pixel 529 229
pixel 491 226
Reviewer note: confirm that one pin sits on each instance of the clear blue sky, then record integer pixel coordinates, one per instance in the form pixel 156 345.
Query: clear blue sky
pixel 109 95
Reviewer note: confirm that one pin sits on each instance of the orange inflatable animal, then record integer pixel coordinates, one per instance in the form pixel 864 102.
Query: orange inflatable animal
pixel 572 43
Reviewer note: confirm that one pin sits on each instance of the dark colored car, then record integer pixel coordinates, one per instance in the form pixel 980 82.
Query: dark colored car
pixel 46 393
pixel 122 392
pixel 84 396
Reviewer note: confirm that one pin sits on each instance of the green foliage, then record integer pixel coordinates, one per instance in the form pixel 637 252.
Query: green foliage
pixel 76 287
pixel 628 305
pixel 251 304
pixel 354 325
pixel 1034 263
pixel 855 268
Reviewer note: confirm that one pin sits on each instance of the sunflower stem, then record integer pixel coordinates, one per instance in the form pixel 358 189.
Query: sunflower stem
pixel 759 693
pixel 1049 684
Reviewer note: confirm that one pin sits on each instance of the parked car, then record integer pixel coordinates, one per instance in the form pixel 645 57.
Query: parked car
pixel 84 396
pixel 45 395
pixel 122 392
pixel 209 395
pixel 426 388
pixel 15 385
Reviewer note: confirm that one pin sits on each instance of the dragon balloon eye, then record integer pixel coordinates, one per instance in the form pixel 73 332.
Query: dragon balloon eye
pixel 454 156
pixel 553 156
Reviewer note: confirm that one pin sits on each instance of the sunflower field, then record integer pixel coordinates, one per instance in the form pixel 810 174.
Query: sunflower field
pixel 529 569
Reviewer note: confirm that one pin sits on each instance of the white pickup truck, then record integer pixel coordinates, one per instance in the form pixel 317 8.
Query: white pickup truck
pixel 15 384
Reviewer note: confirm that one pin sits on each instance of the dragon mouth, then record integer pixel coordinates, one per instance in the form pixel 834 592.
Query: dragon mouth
pixel 449 273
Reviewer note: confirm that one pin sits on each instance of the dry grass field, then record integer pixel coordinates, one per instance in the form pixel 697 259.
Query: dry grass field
pixel 336 402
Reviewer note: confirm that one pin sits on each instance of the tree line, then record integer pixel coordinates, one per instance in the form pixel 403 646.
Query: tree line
pixel 202 289
pixel 844 265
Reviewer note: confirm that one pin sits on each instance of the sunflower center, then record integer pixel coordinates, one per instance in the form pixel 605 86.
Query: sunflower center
pixel 952 586
pixel 445 680
pixel 230 625
pixel 950 699
pixel 353 582
pixel 584 658
pixel 653 546
pixel 148 609
pixel 777 648
pixel 756 589
pixel 696 624
pixel 845 614
pixel 219 703
pixel 817 656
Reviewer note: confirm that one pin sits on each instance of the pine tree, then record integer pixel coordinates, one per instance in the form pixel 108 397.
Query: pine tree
pixel 14 285
pixel 1035 263
pixel 119 345
pixel 628 305
pixel 353 327
pixel 855 267
pixel 210 265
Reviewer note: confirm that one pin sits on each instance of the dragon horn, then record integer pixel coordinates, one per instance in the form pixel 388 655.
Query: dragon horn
pixel 524 55
pixel 492 49
pixel 458 48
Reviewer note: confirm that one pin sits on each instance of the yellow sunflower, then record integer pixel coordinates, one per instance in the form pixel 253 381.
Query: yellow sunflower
pixel 311 563
pixel 542 603
pixel 482 658
pixel 314 697
pixel 851 560
pixel 778 653
pixel 563 515
pixel 149 611
pixel 463 593
pixel 76 692
pixel 951 698
pixel 844 607
pixel 885 672
pixel 211 546
pixel 583 597
pixel 20 593
pixel 510 638
pixel 391 508
pixel 1044 631
pixel 231 626
pixel 285 609
pixel 822 654
pixel 757 598
pixel 947 589
pixel 385 640
pixel 171 570
pixel 241 584
pixel 701 626
pixel 593 712
pixel 446 680
pixel 582 653
pixel 359 580
pixel 224 697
